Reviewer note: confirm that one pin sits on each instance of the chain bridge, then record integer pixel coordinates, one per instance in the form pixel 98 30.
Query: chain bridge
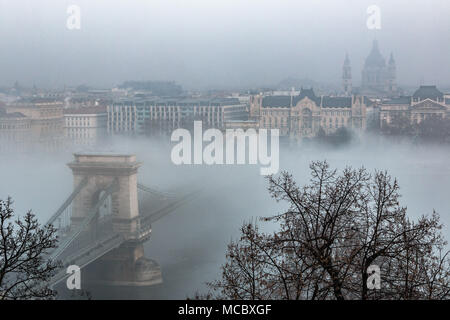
pixel 104 222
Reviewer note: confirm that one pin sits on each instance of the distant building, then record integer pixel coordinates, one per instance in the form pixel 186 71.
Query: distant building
pixel 427 101
pixel 305 114
pixel 156 88
pixel 378 78
pixel 241 124
pixel 45 119
pixel 165 115
pixel 15 132
pixel 85 126
pixel 86 102
pixel 347 76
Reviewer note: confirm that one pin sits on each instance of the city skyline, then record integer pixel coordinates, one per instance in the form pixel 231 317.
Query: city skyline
pixel 224 150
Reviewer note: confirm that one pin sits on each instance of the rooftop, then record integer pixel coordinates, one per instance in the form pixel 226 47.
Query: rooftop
pixel 277 101
pixel 399 100
pixel 428 92
pixel 181 102
pixel 87 110
pixel 306 93
pixel 336 102
pixel 10 115
pixel 39 100
pixel 325 101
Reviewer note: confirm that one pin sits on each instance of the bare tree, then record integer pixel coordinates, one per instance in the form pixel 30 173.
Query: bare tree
pixel 334 229
pixel 24 244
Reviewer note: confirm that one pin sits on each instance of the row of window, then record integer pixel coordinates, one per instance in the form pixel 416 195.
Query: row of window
pixel 15 126
pixel 86 135
pixel 345 113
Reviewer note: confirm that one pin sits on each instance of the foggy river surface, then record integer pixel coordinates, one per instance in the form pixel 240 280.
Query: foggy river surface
pixel 190 243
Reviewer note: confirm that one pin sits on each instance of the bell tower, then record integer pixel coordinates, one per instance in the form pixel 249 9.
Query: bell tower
pixel 391 78
pixel 347 76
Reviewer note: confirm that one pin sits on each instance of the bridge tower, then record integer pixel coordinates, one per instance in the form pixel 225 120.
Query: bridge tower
pixel 116 176
pixel 102 171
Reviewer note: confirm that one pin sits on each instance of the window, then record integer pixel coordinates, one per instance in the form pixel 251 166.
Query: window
pixel 306 118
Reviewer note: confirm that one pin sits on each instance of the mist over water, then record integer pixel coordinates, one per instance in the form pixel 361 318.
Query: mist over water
pixel 190 243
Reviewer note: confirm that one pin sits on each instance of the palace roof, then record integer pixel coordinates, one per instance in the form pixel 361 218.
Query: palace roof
pixel 336 102
pixel 399 100
pixel 277 101
pixel 428 92
pixel 324 101
pixel 306 93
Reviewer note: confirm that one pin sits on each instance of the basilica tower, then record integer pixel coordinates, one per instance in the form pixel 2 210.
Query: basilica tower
pixel 392 76
pixel 347 76
pixel 378 77
pixel 374 72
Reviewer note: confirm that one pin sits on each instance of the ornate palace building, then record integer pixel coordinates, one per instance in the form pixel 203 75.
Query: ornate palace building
pixel 426 102
pixel 378 78
pixel 305 114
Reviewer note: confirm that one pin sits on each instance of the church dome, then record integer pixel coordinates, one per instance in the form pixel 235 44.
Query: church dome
pixel 375 59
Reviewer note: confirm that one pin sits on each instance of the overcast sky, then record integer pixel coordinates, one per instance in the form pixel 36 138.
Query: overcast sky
pixel 208 43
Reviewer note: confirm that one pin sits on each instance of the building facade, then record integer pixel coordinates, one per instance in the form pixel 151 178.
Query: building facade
pixel 45 120
pixel 426 102
pixel 15 132
pixel 163 116
pixel 305 114
pixel 85 126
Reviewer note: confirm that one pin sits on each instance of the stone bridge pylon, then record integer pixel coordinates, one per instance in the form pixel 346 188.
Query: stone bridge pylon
pixel 104 223
pixel 117 174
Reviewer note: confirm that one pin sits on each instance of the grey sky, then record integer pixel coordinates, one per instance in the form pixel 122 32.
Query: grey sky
pixel 207 43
